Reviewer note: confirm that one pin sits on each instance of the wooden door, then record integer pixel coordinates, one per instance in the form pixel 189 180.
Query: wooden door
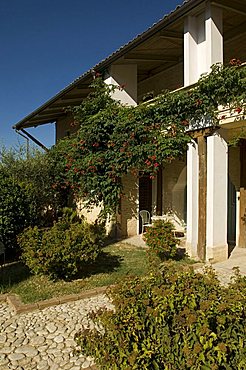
pixel 145 196
pixel 242 236
pixel 231 215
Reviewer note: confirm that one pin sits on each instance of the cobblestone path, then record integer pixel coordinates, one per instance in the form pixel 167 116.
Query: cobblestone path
pixel 44 339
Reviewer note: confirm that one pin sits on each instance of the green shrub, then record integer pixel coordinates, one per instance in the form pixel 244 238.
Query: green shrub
pixel 35 173
pixel 14 210
pixel 161 241
pixel 62 250
pixel 170 321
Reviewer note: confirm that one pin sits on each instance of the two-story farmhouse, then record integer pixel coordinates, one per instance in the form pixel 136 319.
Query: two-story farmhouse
pixel 206 193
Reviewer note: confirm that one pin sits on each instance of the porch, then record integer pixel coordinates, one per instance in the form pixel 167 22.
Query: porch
pixel 204 195
pixel 224 269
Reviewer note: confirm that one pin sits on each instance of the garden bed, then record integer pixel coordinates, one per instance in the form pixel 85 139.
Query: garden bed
pixel 115 262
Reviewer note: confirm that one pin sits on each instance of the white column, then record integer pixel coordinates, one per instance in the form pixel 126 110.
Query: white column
pixel 203 43
pixel 192 199
pixel 190 51
pixel 217 177
pixel 125 77
pixel 203 47
pixel 214 38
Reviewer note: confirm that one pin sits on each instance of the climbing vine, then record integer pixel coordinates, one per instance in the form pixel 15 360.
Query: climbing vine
pixel 113 139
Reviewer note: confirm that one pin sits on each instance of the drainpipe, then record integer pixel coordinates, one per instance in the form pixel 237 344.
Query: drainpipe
pixel 28 136
pixel 27 143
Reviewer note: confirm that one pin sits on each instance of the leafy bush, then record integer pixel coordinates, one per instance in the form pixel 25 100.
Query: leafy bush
pixel 14 210
pixel 61 250
pixel 28 195
pixel 161 240
pixel 34 172
pixel 171 320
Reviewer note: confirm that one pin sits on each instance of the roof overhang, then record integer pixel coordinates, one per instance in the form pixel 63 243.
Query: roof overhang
pixel 168 33
pixel 73 94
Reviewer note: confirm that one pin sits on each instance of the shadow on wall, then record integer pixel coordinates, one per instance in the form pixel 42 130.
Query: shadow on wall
pixel 179 196
pixel 128 217
pixel 175 190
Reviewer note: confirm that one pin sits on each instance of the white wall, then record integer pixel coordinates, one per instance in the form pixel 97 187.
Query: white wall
pixel 126 76
pixel 203 43
pixel 217 177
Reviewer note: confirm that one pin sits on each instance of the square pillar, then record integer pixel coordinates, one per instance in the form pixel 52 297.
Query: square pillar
pixel 203 43
pixel 217 178
pixel 124 76
pixel 192 199
pixel 214 38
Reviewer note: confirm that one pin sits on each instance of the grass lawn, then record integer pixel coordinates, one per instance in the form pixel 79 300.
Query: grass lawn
pixel 117 261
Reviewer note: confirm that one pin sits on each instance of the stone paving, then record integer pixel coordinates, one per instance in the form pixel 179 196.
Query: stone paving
pixel 224 270
pixel 44 339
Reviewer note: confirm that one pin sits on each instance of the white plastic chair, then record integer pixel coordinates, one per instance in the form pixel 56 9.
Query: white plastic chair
pixel 146 219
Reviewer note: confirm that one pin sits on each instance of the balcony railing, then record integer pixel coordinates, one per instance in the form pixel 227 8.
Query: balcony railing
pixel 226 116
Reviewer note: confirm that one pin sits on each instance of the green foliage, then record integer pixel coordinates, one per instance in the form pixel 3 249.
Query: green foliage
pixel 27 194
pixel 14 210
pixel 62 250
pixel 168 321
pixel 114 139
pixel 35 174
pixel 114 263
pixel 161 240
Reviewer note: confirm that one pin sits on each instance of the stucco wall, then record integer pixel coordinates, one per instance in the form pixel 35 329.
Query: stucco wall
pixel 125 76
pixel 127 219
pixel 129 206
pixel 64 127
pixel 174 189
pixel 170 79
pixel 91 215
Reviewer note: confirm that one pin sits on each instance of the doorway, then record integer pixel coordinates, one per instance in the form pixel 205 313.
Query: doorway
pixel 231 215
pixel 145 196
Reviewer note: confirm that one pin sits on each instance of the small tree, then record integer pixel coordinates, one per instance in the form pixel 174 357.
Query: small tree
pixel 35 174
pixel 27 193
pixel 14 210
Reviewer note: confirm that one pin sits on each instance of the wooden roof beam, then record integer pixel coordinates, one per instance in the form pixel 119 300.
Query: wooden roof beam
pixel 151 73
pixel 46 115
pixel 85 88
pixel 74 97
pixel 171 35
pixel 38 122
pixel 233 6
pixel 51 110
pixel 151 58
pixel 235 32
pixel 65 105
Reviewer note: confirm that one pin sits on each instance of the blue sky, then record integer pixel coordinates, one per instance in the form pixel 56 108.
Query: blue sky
pixel 45 44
